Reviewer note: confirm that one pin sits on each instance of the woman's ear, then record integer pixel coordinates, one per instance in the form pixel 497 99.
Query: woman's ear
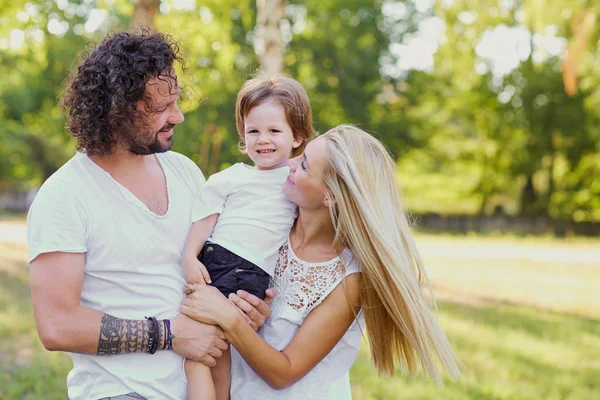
pixel 329 200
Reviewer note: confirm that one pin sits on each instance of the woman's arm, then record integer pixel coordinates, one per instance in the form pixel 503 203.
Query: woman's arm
pixel 319 333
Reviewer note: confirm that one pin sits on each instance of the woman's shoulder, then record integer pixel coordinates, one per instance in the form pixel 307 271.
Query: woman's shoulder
pixel 302 284
pixel 351 263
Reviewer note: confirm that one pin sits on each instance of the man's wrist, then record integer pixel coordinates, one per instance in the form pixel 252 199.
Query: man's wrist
pixel 121 336
pixel 180 331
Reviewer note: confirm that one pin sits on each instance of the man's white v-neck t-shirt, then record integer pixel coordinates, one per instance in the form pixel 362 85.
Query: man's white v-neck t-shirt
pixel 132 264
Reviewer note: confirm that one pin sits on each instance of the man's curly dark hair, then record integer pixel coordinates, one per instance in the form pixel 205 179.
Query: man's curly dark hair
pixel 101 96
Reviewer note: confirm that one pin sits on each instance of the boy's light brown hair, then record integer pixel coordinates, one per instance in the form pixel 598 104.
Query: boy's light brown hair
pixel 287 92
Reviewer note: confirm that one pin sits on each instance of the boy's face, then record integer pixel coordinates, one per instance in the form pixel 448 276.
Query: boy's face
pixel 268 136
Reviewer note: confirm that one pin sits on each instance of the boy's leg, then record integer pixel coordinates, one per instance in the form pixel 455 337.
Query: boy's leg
pixel 221 375
pixel 200 382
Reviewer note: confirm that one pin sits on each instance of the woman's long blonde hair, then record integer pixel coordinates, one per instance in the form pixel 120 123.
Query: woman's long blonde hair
pixel 368 218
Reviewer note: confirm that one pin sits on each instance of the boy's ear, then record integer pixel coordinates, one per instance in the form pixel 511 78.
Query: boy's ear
pixel 296 143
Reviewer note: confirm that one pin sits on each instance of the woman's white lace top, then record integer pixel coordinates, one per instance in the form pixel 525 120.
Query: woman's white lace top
pixel 302 286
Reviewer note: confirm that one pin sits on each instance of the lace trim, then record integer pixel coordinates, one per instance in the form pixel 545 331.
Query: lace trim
pixel 301 285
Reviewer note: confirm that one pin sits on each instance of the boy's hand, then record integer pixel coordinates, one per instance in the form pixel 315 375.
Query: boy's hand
pixel 194 271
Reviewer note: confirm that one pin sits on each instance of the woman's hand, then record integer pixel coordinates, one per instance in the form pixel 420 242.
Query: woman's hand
pixel 254 308
pixel 206 304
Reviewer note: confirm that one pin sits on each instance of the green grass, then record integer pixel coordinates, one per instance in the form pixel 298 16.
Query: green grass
pixel 511 352
pixel 6 216
pixel 27 370
pixel 522 314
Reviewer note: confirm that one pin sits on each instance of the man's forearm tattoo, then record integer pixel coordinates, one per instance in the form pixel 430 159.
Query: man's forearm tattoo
pixel 120 336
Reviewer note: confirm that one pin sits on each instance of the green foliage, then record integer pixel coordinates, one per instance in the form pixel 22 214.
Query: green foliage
pixel 467 139
pixel 510 352
pixel 515 142
pixel 32 128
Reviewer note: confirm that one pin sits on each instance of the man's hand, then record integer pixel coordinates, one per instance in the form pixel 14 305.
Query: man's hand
pixel 256 310
pixel 197 341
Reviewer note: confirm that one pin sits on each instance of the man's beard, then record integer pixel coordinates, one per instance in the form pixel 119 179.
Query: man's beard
pixel 142 149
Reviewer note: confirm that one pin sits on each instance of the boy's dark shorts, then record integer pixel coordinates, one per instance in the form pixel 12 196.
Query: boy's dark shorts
pixel 230 272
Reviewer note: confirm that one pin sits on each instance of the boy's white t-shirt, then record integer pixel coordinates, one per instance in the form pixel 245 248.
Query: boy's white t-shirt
pixel 132 264
pixel 255 216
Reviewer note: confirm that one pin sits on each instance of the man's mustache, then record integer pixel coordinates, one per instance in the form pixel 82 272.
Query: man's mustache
pixel 167 128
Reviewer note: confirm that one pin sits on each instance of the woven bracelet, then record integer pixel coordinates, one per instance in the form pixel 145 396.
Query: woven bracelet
pixel 169 336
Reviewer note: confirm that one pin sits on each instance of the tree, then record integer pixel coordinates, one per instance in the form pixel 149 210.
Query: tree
pixel 144 12
pixel 269 43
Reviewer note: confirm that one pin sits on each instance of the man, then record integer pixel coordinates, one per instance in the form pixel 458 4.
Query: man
pixel 106 231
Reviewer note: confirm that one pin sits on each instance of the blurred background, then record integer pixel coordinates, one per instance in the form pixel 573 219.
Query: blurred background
pixel 490 107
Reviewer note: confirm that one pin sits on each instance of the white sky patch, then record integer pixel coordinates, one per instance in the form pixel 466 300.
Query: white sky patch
pixel 17 37
pixel 62 4
pixel 37 35
pixel 417 52
pixel 95 19
pixel 508 4
pixel 164 7
pixel 506 47
pixel 500 49
pixel 184 5
pixel 395 10
pixel 22 16
pixel 206 16
pixel 57 27
pixel 550 43
pixel 467 17
pixel 424 6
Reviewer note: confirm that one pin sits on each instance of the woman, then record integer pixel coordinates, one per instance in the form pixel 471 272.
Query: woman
pixel 350 258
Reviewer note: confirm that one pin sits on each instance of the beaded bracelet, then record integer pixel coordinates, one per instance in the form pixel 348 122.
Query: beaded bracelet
pixel 152 335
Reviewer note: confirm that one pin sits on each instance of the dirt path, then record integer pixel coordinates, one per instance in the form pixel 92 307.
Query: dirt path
pixel 13 232
pixel 547 273
pixel 431 246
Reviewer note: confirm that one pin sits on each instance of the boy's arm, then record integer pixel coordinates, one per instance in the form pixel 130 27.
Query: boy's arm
pixel 199 234
pixel 193 270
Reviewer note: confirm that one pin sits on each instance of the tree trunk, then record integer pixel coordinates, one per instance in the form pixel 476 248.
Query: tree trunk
pixel 209 129
pixel 583 24
pixel 143 14
pixel 215 152
pixel 269 42
pixel 42 155
pixel 551 185
pixel 529 198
